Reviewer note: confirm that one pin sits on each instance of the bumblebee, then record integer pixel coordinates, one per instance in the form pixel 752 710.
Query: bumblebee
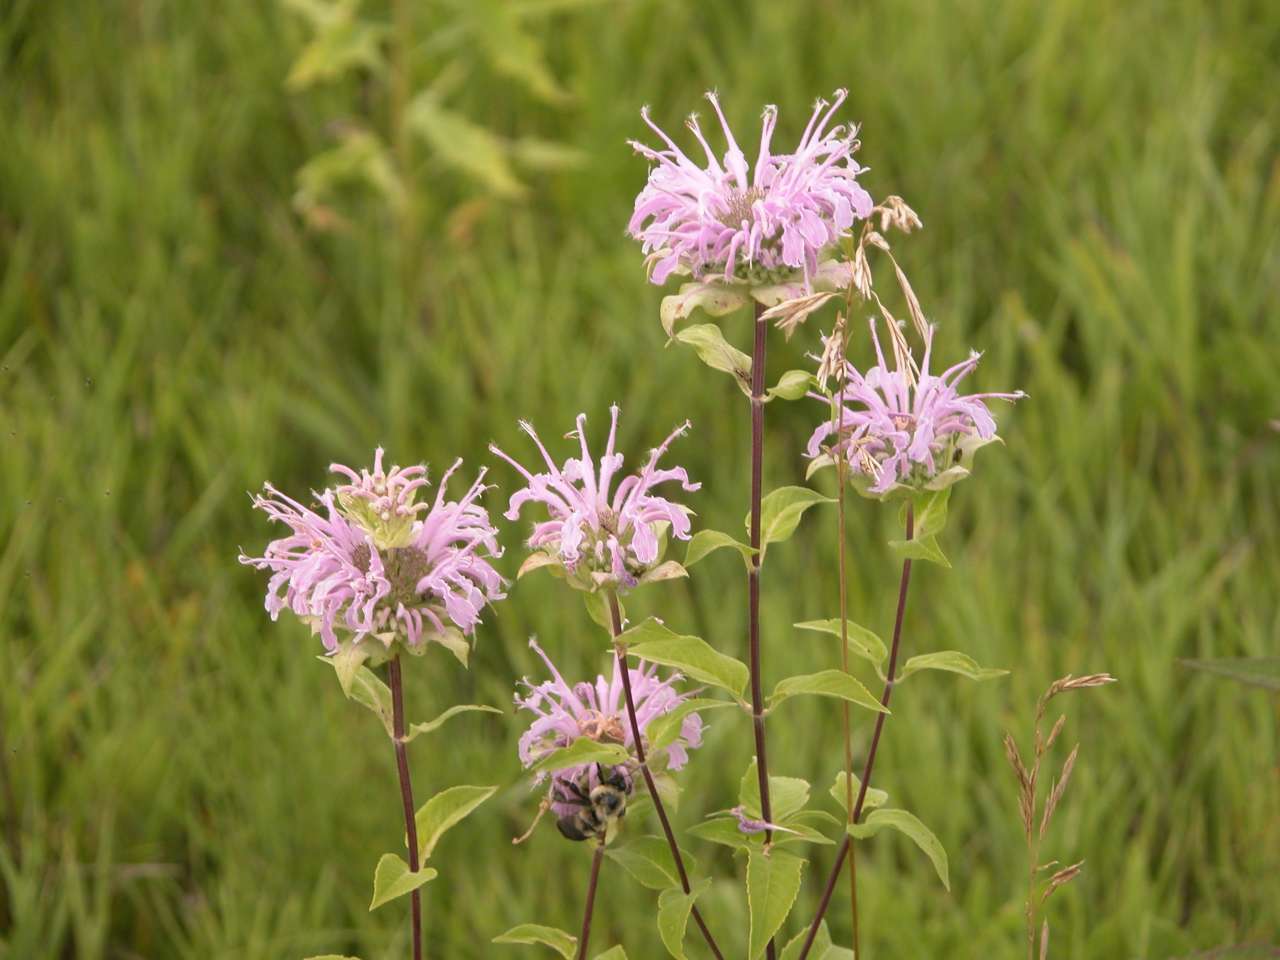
pixel 599 807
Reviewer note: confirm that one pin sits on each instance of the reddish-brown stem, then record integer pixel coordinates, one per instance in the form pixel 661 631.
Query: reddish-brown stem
pixel 834 875
pixel 616 615
pixel 589 909
pixel 844 664
pixel 406 796
pixel 753 574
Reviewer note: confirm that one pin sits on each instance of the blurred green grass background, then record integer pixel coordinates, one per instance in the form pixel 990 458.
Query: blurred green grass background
pixel 1101 195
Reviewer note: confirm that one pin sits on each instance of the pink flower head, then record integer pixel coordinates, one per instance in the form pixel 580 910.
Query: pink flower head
pixel 743 224
pixel 564 713
pixel 905 425
pixel 611 538
pixel 339 574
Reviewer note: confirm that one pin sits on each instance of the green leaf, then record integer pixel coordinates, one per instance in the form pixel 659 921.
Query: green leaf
pixel 438 722
pixel 333 956
pixel 444 810
pixel 717 353
pixel 787 795
pixel 547 155
pixel 515 53
pixel 674 906
pixel 826 683
pixel 652 641
pixel 670 570
pixel 906 823
pixel 792 385
pixel 349 658
pixel 1254 671
pixel 874 798
pixel 598 610
pixel 780 513
pixel 952 661
pixel 821 944
pixel 393 878
pixel 665 728
pixel 861 641
pixel 464 145
pixel 772 884
pixel 534 933
pixel 714 299
pixel 613 953
pixel 705 542
pixel 649 860
pixel 360 159
pixel 341 44
pixel 930 520
pixel 536 561
pixel 724 831
pixel 370 692
pixel 920 549
pixel 583 750
pixel 452 639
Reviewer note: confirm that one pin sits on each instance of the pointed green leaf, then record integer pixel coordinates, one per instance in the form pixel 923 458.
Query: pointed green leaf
pixel 907 823
pixel 780 513
pixel 468 147
pixel 787 795
pixel 1254 671
pixel 516 53
pixel 792 385
pixel 649 860
pixel 714 299
pixel 665 728
pixel 444 810
pixel 613 953
pixel 370 692
pixel 349 658
pixel 652 641
pixel 821 944
pixel 438 722
pixel 930 520
pixel 536 561
pixel 861 641
pixel 670 570
pixel 772 884
pixel 724 831
pixel 826 683
pixel 534 933
pixel 583 750
pixel 674 906
pixel 951 661
pixel 393 878
pixel 705 542
pixel 874 798
pixel 717 353
pixel 598 609
pixel 340 45
pixel 547 155
pixel 920 548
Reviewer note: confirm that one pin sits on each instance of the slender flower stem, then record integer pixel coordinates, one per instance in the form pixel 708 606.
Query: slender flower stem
pixel 875 743
pixel 636 738
pixel 842 468
pixel 589 909
pixel 848 725
pixel 406 795
pixel 753 574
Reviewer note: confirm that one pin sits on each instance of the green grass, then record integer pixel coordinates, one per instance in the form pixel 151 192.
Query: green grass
pixel 1101 194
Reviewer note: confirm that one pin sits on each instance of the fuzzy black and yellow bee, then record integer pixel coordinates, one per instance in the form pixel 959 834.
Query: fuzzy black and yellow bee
pixel 598 807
